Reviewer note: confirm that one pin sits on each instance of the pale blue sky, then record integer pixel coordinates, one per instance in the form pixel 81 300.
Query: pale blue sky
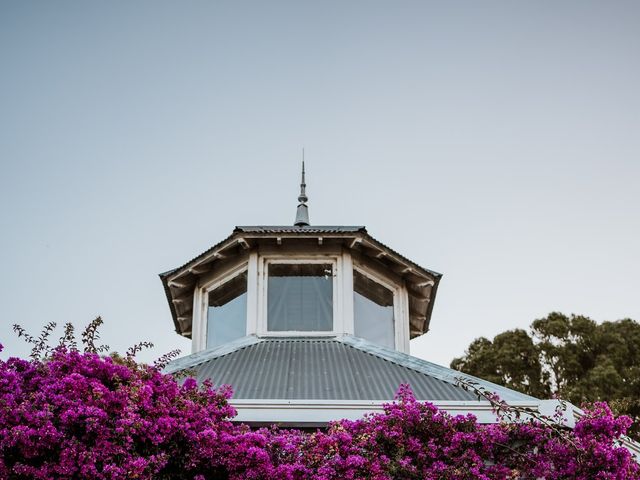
pixel 497 142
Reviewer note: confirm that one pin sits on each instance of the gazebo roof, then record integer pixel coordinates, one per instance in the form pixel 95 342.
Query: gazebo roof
pixel 340 368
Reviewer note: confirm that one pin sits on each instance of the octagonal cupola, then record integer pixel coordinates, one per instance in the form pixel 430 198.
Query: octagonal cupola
pixel 300 281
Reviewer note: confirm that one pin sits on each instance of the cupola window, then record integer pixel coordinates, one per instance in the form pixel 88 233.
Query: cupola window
pixel 227 311
pixel 300 297
pixel 373 311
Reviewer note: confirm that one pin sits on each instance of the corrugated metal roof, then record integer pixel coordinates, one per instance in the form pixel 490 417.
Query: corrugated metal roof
pixel 315 369
pixel 432 369
pixel 292 229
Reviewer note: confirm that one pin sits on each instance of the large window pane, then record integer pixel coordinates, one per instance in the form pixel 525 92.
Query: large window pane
pixel 227 312
pixel 300 297
pixel 373 311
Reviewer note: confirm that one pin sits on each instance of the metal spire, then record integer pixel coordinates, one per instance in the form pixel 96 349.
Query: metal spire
pixel 302 214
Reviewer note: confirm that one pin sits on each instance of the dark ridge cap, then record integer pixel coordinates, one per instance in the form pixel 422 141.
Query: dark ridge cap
pixel 306 228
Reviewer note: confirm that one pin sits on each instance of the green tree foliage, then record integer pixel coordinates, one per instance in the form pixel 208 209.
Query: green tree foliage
pixel 572 357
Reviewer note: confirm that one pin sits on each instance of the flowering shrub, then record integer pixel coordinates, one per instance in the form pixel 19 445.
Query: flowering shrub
pixel 81 415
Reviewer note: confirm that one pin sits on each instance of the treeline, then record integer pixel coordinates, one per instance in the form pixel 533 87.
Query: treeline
pixel 572 357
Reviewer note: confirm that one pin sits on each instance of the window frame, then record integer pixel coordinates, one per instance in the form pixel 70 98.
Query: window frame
pixel 255 264
pixel 201 304
pixel 400 306
pixel 263 295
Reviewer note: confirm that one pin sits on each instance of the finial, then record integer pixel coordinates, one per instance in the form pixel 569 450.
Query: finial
pixel 302 214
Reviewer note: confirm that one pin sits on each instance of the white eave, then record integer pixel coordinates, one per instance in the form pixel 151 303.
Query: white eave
pixel 422 284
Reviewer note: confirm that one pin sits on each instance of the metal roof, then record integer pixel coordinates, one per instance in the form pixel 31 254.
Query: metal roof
pixel 289 229
pixel 322 369
pixel 433 369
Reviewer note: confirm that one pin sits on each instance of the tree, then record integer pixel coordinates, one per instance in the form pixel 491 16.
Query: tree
pixel 572 357
pixel 512 360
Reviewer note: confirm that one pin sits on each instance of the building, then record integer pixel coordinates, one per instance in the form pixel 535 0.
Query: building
pixel 312 323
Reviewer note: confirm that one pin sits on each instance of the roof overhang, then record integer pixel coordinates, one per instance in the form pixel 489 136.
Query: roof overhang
pixel 319 413
pixel 422 284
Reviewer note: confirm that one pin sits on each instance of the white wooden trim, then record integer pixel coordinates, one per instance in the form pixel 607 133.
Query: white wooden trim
pixel 201 299
pixel 321 412
pixel 252 294
pixel 224 276
pixel 338 295
pixel 196 322
pixel 262 300
pixel 297 258
pixel 256 267
pixel 400 306
pixel 403 330
pixel 375 276
pixel 348 322
pixel 298 333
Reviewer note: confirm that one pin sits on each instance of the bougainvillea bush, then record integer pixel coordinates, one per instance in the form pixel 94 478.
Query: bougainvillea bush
pixel 76 415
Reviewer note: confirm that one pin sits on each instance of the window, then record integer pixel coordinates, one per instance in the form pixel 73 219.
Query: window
pixel 373 311
pixel 227 311
pixel 300 297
